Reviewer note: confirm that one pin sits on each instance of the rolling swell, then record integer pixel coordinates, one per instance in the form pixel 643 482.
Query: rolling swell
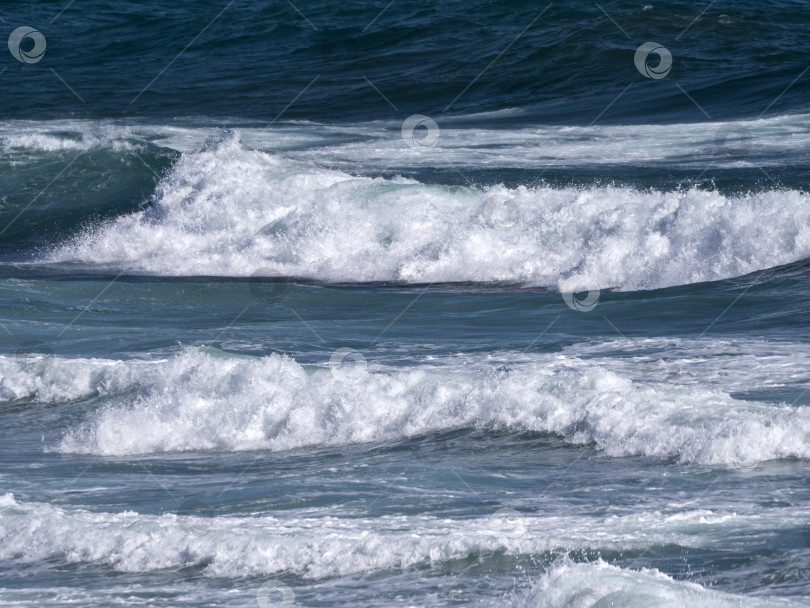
pixel 170 437
pixel 203 400
pixel 229 210
pixel 565 68
pixel 59 185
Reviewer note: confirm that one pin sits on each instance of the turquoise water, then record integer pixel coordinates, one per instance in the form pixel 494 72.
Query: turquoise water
pixel 547 349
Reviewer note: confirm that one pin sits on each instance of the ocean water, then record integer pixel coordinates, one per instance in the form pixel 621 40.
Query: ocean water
pixel 380 304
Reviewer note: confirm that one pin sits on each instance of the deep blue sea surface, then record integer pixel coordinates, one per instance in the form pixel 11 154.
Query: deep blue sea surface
pixel 399 303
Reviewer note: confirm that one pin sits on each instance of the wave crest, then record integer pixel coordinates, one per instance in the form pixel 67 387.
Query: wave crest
pixel 197 401
pixel 230 211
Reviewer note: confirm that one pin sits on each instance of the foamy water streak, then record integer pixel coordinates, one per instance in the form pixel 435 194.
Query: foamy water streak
pixel 324 546
pixel 199 401
pixel 228 210
pixel 379 144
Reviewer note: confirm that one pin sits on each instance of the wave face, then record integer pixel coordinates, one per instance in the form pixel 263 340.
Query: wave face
pixel 201 400
pixel 231 211
pixel 55 184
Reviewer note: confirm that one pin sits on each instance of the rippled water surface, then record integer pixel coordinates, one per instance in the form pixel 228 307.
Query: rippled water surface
pixel 404 304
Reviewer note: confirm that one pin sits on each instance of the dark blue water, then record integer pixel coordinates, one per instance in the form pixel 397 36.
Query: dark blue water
pixel 564 62
pixel 407 304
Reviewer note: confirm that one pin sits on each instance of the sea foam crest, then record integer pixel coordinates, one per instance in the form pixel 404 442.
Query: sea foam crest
pixel 228 210
pixel 196 401
pixel 317 547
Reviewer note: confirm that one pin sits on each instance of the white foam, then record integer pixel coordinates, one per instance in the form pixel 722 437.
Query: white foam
pixel 732 365
pixel 706 146
pixel 46 379
pixel 598 585
pixel 323 546
pixel 378 144
pixel 196 401
pixel 37 138
pixel 228 210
